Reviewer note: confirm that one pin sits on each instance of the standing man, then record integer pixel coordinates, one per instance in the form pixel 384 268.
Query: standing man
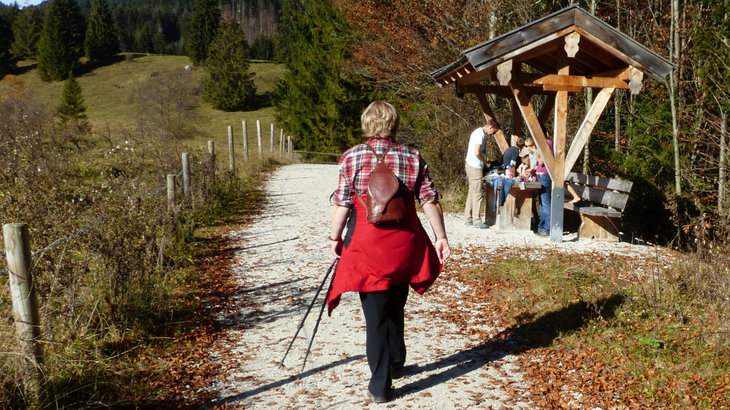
pixel 475 164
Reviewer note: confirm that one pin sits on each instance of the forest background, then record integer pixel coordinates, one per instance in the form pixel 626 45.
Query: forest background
pixel 338 56
pixel 670 139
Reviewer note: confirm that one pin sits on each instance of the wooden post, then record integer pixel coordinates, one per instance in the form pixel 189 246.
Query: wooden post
pixel 271 146
pixel 557 173
pixel 258 138
pixel 244 124
pixel 281 143
pixel 289 145
pixel 211 149
pixel 25 306
pixel 186 177
pixel 231 155
pixel 171 203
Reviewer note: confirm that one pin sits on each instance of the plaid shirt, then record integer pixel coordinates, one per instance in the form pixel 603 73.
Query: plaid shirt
pixel 358 162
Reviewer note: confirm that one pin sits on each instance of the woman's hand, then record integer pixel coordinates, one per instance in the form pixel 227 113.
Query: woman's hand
pixel 443 250
pixel 337 248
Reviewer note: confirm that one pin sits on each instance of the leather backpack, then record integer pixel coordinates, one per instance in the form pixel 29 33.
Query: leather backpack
pixel 386 194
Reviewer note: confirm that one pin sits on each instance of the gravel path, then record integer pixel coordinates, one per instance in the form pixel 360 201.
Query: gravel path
pixel 280 260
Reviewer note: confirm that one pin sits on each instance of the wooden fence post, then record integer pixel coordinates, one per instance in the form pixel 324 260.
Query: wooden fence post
pixel 271 146
pixel 245 139
pixel 258 138
pixel 25 306
pixel 281 142
pixel 211 155
pixel 289 145
pixel 171 193
pixel 231 155
pixel 186 178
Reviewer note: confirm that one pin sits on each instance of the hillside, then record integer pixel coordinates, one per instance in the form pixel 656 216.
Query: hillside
pixel 111 93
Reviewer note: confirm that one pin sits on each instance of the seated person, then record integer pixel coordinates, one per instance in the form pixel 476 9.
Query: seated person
pixel 524 171
pixel 576 198
pixel 512 155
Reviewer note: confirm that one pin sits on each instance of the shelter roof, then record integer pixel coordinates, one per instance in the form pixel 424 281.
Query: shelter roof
pixel 602 49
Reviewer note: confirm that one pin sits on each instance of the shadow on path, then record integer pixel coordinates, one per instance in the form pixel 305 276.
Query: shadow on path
pixel 515 340
pixel 518 339
pixel 279 383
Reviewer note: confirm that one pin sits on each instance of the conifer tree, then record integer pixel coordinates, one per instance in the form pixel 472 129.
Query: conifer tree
pixel 101 41
pixel 316 101
pixel 229 85
pixel 72 101
pixel 62 40
pixel 26 32
pixel 205 21
pixel 7 60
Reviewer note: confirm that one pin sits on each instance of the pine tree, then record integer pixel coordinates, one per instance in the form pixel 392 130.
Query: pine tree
pixel 72 101
pixel 62 40
pixel 229 85
pixel 26 32
pixel 205 21
pixel 316 101
pixel 102 41
pixel 7 60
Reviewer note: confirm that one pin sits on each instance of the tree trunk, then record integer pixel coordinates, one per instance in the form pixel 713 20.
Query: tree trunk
pixel 587 148
pixel 589 102
pixel 722 178
pixel 674 50
pixel 617 93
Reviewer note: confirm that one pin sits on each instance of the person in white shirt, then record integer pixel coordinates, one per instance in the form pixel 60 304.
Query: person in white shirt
pixel 475 164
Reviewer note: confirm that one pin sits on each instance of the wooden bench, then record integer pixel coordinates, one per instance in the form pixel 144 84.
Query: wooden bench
pixel 603 202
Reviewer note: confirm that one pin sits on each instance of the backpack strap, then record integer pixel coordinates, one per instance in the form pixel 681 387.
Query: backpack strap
pixel 380 158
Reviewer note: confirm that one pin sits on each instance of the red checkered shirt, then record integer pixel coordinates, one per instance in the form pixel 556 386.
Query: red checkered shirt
pixel 358 162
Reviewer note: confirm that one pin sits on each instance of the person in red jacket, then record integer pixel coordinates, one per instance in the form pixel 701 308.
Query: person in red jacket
pixel 382 261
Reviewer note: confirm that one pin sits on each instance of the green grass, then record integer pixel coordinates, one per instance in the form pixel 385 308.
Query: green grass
pixel 109 95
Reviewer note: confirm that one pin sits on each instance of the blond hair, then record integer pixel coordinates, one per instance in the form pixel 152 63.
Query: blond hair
pixel 380 120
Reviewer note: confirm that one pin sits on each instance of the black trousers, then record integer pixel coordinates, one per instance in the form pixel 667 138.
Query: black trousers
pixel 385 346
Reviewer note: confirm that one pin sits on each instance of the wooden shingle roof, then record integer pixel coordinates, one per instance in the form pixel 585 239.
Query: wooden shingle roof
pixel 601 49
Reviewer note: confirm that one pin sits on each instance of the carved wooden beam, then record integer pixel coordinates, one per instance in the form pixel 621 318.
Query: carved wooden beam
pixel 489 114
pixel 557 82
pixel 504 72
pixel 635 78
pixel 599 104
pixel 571 44
pixel 503 91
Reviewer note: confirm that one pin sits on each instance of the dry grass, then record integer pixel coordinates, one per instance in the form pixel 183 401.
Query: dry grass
pixel 612 332
pixel 110 295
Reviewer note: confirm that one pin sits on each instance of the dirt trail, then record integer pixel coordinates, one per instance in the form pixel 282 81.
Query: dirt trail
pixel 280 260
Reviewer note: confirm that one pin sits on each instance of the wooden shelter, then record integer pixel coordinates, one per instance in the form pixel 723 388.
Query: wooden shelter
pixel 559 54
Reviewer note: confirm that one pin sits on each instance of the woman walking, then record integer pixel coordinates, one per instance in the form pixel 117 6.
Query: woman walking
pixel 380 261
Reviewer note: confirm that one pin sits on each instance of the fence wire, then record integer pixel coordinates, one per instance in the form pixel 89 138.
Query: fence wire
pixel 84 229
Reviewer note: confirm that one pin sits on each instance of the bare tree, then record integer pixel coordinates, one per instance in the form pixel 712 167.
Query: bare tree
pixel 166 102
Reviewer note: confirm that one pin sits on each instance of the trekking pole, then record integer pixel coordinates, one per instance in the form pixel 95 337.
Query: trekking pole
pixel 316 325
pixel 301 324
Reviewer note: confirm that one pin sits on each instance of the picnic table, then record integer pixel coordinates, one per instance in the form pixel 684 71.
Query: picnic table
pixel 519 211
